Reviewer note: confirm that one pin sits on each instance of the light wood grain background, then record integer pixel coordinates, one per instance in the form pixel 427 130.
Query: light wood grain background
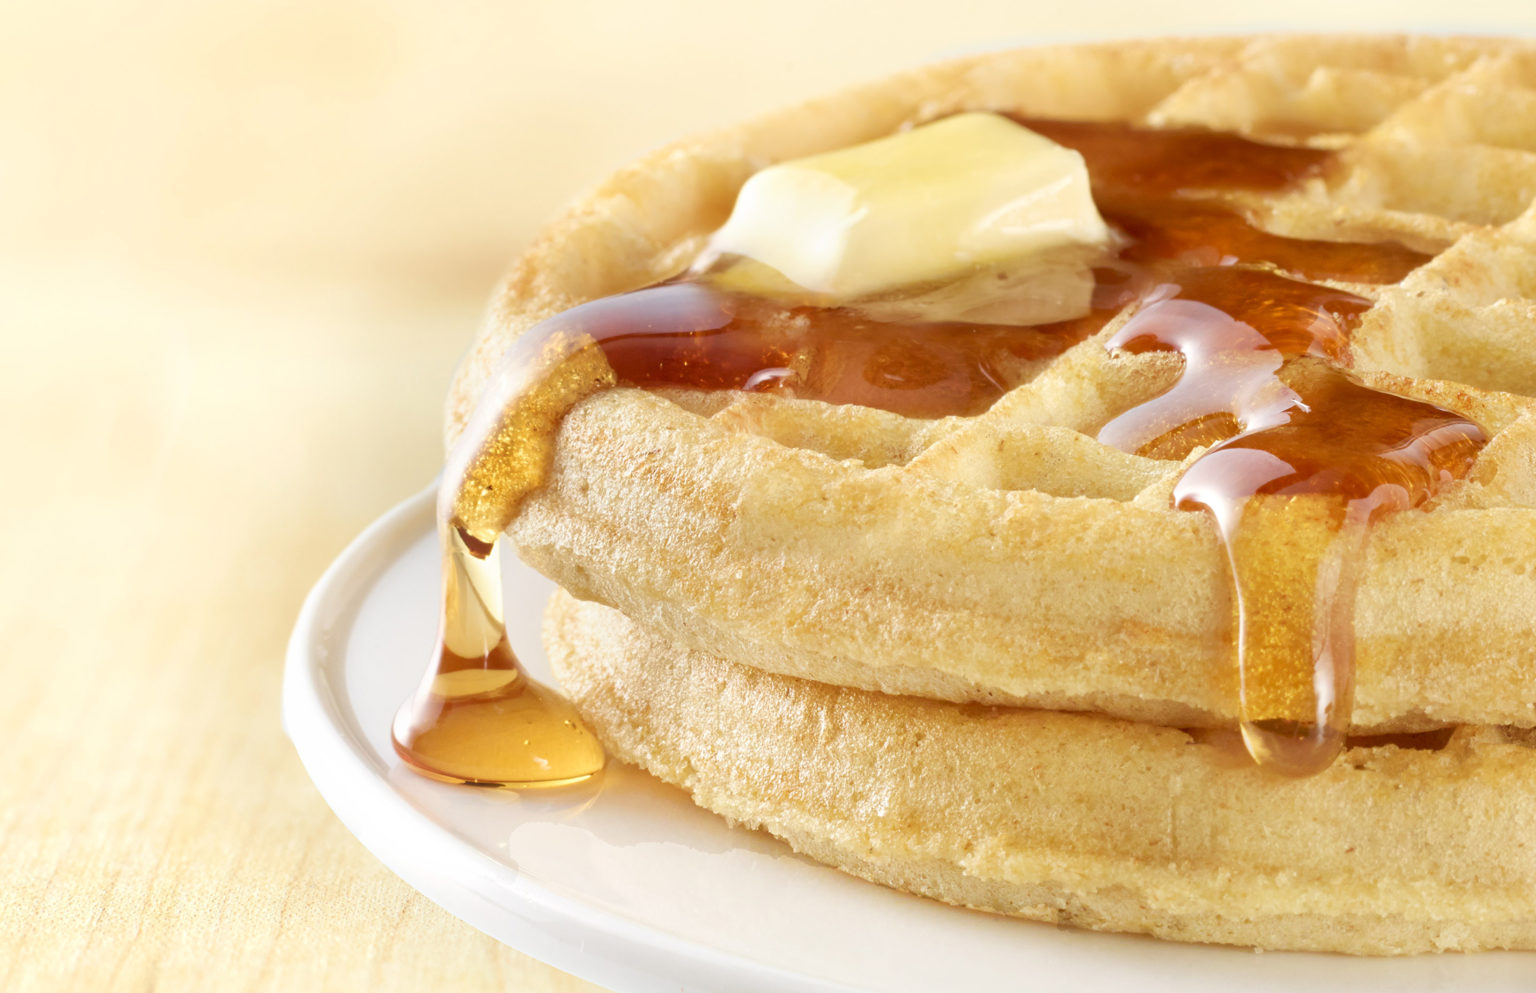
pixel 241 246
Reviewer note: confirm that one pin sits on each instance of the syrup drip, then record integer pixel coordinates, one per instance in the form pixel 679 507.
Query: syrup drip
pixel 477 717
pixel 1293 500
pixel 1303 458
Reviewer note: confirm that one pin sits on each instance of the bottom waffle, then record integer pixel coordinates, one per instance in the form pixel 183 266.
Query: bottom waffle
pixel 1412 845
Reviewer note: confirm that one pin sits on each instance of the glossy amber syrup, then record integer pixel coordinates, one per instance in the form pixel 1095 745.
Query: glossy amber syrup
pixel 1235 328
pixel 1302 457
pixel 1207 233
pixel 1158 163
pixel 837 355
pixel 1158 185
pixel 478 718
pixel 1293 500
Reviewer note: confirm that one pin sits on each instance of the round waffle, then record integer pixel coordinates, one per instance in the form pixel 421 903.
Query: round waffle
pixel 840 543
pixel 1392 850
pixel 1009 558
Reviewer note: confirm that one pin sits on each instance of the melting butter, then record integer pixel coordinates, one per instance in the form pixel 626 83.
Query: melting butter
pixel 939 203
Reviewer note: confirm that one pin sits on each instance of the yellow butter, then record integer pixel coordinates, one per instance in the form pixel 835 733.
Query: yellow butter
pixel 935 203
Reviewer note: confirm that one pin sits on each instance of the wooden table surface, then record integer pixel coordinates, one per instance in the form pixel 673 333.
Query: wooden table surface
pixel 241 247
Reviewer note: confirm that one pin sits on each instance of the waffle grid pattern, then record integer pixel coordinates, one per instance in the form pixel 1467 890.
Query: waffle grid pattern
pixel 1465 317
pixel 826 542
pixel 1458 331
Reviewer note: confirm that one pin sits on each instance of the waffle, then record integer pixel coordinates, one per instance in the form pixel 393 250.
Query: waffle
pixel 791 546
pixel 1005 809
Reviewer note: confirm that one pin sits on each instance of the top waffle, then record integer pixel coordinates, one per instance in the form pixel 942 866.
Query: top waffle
pixel 1010 557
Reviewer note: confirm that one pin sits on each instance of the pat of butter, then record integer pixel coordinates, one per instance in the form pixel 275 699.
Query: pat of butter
pixel 935 203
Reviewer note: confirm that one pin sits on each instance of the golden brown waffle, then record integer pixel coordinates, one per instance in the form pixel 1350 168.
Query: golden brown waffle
pixel 1074 818
pixel 1011 558
pixel 844 544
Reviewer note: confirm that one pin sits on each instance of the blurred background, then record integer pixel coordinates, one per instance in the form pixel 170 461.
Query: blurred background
pixel 242 245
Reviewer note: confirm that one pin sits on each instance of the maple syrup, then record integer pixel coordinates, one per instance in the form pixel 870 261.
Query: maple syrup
pixel 1160 163
pixel 1293 495
pixel 477 717
pixel 1301 458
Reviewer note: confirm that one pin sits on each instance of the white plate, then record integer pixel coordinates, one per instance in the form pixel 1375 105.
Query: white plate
pixel 631 886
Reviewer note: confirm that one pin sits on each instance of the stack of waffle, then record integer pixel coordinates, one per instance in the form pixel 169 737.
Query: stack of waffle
pixel 982 658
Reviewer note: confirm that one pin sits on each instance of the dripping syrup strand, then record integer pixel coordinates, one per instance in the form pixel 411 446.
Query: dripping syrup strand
pixel 478 718
pixel 1294 501
pixel 1302 459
